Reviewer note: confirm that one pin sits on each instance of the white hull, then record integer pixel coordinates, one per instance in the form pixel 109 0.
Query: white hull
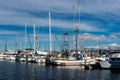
pixel 110 65
pixel 72 62
pixel 40 59
pixel 13 58
pixel 2 56
pixel 22 59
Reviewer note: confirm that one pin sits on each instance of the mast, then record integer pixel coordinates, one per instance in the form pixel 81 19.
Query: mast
pixel 16 44
pixel 98 47
pixel 73 43
pixel 25 33
pixel 30 45
pixel 79 14
pixel 6 46
pixel 77 30
pixel 34 38
pixel 50 40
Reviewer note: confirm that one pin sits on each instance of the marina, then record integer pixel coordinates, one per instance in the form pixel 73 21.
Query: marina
pixel 59 40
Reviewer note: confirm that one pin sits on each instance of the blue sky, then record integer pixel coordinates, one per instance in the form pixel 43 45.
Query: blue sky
pixel 99 20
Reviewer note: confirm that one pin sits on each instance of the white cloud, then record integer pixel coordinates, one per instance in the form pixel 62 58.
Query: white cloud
pixel 9 20
pixel 100 6
pixel 92 37
pixel 45 5
pixel 19 12
pixel 88 27
pixel 4 32
pixel 116 33
pixel 113 36
pixel 114 45
pixel 13 10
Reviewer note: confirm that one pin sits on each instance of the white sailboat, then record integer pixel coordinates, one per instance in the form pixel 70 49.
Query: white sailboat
pixel 42 54
pixel 39 56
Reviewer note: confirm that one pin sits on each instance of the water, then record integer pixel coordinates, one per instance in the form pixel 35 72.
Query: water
pixel 23 71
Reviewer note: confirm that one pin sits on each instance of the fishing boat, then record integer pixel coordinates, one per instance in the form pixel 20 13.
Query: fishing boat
pixel 71 62
pixel 68 60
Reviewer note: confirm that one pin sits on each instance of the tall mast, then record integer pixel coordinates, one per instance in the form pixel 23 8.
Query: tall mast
pixel 34 37
pixel 25 33
pixel 73 25
pixel 77 30
pixel 50 40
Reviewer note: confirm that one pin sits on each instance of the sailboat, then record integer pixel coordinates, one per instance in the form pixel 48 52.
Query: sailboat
pixel 39 55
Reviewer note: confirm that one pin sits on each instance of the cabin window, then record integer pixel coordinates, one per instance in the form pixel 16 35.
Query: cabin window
pixel 115 59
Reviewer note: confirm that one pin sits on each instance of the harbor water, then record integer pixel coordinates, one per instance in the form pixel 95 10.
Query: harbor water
pixel 32 71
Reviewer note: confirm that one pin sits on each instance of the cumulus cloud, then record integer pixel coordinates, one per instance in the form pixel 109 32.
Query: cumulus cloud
pixel 92 37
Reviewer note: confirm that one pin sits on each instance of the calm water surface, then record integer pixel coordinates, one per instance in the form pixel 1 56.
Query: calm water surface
pixel 23 71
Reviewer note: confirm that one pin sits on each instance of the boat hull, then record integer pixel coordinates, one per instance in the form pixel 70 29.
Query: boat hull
pixel 72 63
pixel 110 65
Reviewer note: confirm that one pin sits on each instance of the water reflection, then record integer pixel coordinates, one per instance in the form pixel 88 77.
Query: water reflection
pixel 63 72
pixel 115 74
pixel 23 71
